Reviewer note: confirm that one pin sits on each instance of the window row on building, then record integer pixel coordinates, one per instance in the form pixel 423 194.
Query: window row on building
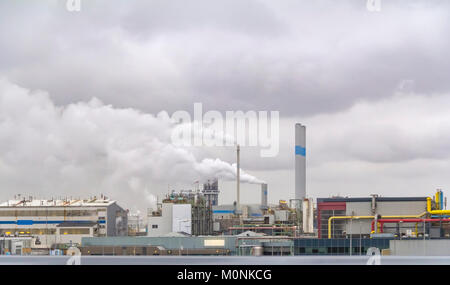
pixel 49 213
pixel 28 231
pixel 44 231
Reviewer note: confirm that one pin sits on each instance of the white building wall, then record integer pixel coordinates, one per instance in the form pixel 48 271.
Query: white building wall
pixel 182 218
pixel 174 218
pixel 163 223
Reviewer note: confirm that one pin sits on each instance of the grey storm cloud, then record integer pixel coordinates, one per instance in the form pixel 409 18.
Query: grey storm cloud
pixel 89 147
pixel 298 57
pixel 372 88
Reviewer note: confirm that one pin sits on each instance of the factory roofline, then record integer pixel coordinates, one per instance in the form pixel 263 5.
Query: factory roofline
pixel 57 203
pixel 368 199
pixel 76 225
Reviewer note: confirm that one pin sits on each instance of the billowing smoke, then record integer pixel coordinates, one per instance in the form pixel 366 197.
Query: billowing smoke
pixel 223 170
pixel 88 148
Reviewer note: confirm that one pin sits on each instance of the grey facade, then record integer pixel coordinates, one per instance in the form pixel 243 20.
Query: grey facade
pixel 117 221
pixel 224 242
pixel 50 222
pixel 419 247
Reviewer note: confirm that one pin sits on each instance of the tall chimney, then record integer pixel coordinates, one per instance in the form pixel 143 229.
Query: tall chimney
pixel 238 180
pixel 264 195
pixel 300 161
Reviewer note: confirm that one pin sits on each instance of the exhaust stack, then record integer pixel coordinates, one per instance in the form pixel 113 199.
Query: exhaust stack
pixel 264 196
pixel 238 180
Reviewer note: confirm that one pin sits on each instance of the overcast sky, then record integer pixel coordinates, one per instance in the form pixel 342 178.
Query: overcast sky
pixel 372 88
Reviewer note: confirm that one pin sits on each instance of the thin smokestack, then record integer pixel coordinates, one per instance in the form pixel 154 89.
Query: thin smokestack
pixel 238 179
pixel 300 161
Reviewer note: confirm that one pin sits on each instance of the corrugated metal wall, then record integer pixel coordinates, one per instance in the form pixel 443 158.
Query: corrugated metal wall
pixel 437 247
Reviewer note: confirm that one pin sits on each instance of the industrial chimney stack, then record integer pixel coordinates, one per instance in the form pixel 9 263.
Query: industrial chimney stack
pixel 238 179
pixel 300 161
pixel 264 196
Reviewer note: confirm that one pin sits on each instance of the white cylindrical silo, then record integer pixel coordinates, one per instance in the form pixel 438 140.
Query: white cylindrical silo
pixel 300 161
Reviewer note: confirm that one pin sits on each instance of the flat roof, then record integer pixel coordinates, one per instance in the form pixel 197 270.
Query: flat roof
pixel 86 224
pixel 369 199
pixel 57 203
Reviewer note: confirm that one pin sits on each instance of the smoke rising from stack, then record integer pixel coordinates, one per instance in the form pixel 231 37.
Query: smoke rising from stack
pixel 89 147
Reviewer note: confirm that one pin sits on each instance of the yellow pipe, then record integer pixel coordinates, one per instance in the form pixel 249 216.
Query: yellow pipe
pixel 437 198
pixel 432 212
pixel 370 217
pixel 435 212
pixel 344 217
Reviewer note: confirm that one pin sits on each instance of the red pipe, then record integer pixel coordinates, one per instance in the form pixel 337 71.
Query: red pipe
pixel 260 228
pixel 382 221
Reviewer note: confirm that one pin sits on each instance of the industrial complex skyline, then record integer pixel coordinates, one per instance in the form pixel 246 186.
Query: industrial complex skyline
pixel 230 135
pixel 75 101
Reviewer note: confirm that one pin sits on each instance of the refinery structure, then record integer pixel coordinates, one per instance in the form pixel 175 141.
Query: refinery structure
pixel 193 222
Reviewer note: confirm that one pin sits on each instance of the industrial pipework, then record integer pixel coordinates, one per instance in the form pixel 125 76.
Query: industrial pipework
pixel 330 220
pixel 436 212
pixel 439 204
pixel 383 221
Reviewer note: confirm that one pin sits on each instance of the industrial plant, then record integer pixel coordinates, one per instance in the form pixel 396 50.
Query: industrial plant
pixel 193 222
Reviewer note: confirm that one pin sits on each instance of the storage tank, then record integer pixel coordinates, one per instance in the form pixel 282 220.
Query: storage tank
pixel 257 251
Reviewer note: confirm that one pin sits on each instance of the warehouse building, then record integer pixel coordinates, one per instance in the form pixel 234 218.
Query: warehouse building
pixel 354 246
pixel 168 245
pixel 244 244
pixel 57 221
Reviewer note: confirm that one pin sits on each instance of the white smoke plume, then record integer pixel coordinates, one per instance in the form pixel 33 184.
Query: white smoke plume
pixel 88 148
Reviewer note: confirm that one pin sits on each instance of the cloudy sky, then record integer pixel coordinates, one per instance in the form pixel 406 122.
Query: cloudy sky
pixel 85 96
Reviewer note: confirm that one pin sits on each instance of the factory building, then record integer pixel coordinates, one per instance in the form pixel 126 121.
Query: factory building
pixel 15 245
pixel 355 246
pixel 136 225
pixel 342 217
pixel 244 244
pixel 168 245
pixel 170 217
pixel 211 192
pixel 54 221
pixel 185 211
pixel 275 219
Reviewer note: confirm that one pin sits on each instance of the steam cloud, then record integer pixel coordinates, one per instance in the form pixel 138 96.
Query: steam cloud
pixel 89 147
